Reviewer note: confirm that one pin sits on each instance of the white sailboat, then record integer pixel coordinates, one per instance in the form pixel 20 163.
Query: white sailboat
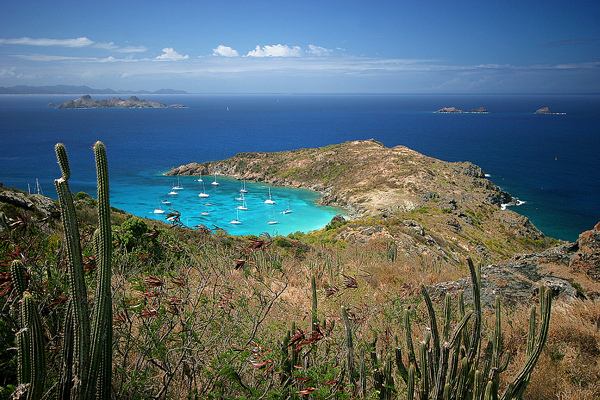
pixel 205 213
pixel 203 194
pixel 215 182
pixel 243 189
pixel 288 210
pixel 243 207
pixel 200 179
pixel 273 220
pixel 178 186
pixel 269 200
pixel 166 202
pixel 158 210
pixel 236 221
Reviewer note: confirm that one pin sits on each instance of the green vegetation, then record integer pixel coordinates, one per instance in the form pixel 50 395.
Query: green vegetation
pixel 207 315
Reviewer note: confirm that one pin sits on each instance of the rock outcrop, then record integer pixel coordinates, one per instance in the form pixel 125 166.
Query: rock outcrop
pixel 546 110
pixel 482 110
pixel 133 102
pixel 569 270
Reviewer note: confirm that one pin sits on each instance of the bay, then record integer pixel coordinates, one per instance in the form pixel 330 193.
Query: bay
pixel 548 161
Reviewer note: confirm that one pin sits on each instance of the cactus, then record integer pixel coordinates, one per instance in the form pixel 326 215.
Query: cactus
pixel 349 349
pixel 92 341
pixel 19 277
pixel 31 357
pixel 448 363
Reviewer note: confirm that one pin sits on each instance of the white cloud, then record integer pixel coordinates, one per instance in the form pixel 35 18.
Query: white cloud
pixel 7 72
pixel 318 50
pixel 169 54
pixel 132 49
pixel 225 51
pixel 45 57
pixel 277 50
pixel 106 46
pixel 79 42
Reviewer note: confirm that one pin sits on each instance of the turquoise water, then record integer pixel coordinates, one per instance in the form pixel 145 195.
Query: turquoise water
pixel 144 195
pixel 548 161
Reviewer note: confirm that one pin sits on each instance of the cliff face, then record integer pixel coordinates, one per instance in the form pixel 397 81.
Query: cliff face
pixel 457 208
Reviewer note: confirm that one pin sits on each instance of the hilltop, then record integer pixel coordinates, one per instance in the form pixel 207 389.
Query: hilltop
pixel 430 208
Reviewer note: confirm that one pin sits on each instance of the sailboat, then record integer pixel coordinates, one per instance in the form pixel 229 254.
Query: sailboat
pixel 203 194
pixel 269 200
pixel 158 210
pixel 178 186
pixel 215 182
pixel 236 221
pixel 288 210
pixel 243 207
pixel 243 189
pixel 273 221
pixel 166 202
pixel 200 179
pixel 205 212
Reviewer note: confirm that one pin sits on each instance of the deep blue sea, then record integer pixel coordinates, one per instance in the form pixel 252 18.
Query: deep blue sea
pixel 548 161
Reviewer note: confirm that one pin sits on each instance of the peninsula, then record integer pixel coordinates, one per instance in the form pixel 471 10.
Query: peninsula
pixel 447 210
pixel 133 102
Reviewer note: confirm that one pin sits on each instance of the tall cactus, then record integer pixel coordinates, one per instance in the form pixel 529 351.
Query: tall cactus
pixel 443 376
pixel 92 352
pixel 101 351
pixel 30 339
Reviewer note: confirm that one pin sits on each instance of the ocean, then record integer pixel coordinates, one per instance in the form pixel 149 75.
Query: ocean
pixel 548 161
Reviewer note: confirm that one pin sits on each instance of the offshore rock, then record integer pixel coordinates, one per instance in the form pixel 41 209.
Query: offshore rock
pixel 449 110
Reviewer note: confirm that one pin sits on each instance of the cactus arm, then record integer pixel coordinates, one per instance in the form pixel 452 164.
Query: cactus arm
pixel 66 375
pixel 424 374
pixel 315 318
pixel 63 160
pixel 37 358
pixel 77 289
pixel 101 350
pixel 474 341
pixel 434 329
pixel 363 373
pixel 350 347
pixel 412 359
pixel 522 378
pixel 411 383
pixel 19 278
pixel 400 364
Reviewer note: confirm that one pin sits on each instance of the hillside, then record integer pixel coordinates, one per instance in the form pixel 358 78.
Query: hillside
pixel 436 210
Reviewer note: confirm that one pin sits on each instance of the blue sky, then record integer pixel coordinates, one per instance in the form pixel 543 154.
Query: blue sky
pixel 304 46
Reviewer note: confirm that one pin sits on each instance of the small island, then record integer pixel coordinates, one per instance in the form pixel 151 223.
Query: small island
pixel 133 102
pixel 454 110
pixel 546 110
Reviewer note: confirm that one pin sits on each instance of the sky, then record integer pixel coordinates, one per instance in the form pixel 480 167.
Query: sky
pixel 324 46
